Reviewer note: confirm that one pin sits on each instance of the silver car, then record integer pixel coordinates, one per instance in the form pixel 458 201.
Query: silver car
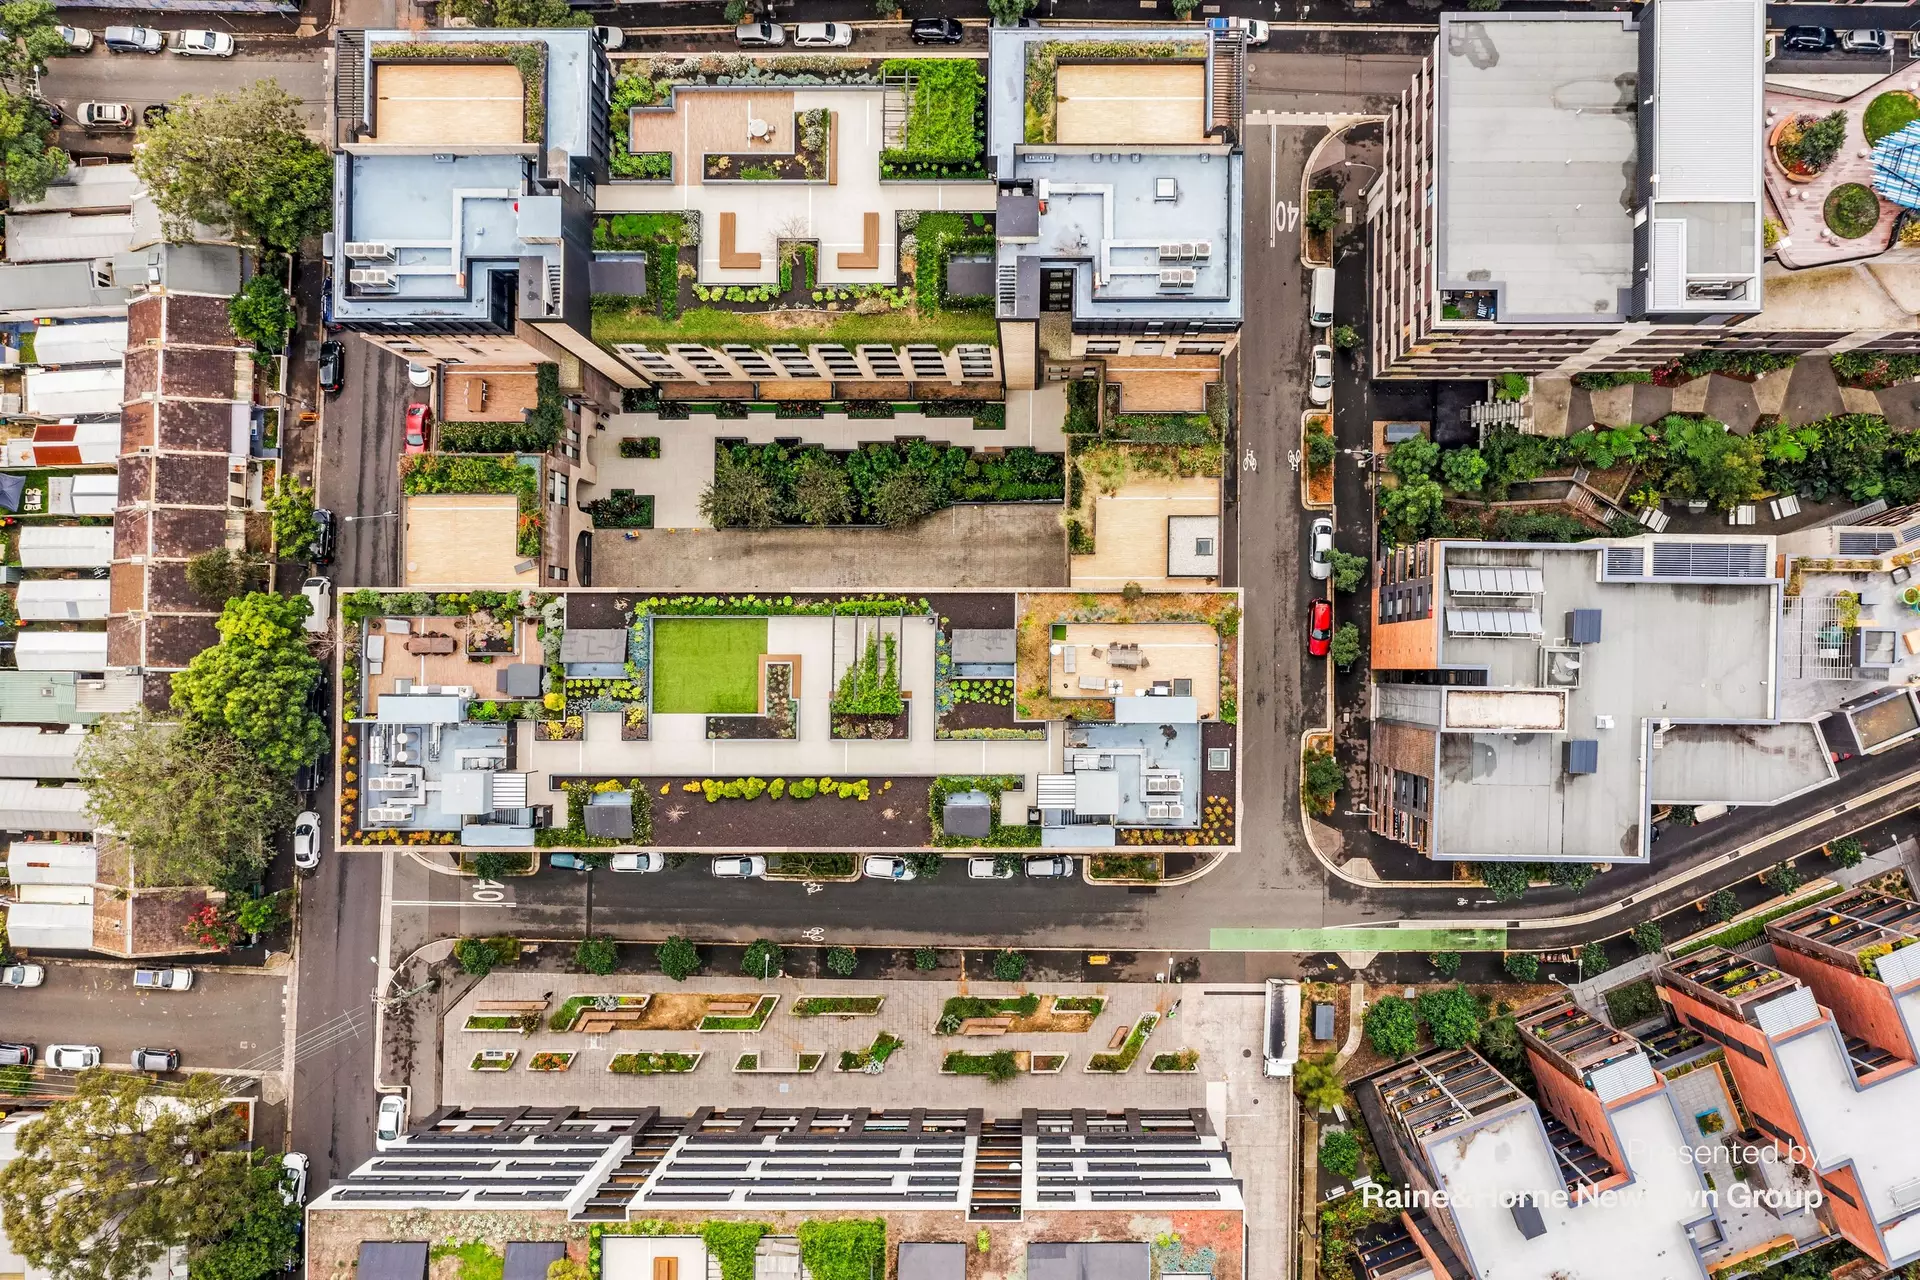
pixel 1320 550
pixel 1049 868
pixel 750 868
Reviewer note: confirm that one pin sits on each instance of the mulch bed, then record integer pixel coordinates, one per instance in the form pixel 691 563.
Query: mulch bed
pixel 981 715
pixel 598 609
pixel 880 728
pixel 975 610
pixel 891 819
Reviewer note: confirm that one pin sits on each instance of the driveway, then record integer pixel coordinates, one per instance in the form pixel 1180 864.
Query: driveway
pixel 231 1020
pixel 987 545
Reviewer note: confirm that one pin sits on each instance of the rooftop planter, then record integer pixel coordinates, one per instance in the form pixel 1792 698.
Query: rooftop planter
pixel 807 162
pixel 1045 56
pixel 654 1064
pixel 1803 145
pixel 529 57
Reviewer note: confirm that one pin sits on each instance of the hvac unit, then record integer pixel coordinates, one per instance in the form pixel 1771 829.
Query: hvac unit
pixel 1178 278
pixel 370 278
pixel 1203 248
pixel 368 251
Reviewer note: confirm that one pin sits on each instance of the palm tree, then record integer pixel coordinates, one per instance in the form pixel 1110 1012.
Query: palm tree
pixel 1318 1084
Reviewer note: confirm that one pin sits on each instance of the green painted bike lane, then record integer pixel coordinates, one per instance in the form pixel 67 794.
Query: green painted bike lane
pixel 1358 939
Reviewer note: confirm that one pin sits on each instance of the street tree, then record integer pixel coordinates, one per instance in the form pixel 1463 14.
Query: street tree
pixel 1392 1027
pixel 106 1181
pixel 239 159
pixel 255 683
pixel 263 1243
pixel 29 162
pixel 1349 570
pixel 192 805
pixel 29 38
pixel 291 504
pixel 1453 1015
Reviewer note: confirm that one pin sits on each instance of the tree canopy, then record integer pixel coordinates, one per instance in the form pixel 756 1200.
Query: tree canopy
pixel 193 805
pixel 1392 1027
pixel 106 1181
pixel 29 162
pixel 239 159
pixel 262 313
pixel 255 683
pixel 265 1239
pixel 1452 1015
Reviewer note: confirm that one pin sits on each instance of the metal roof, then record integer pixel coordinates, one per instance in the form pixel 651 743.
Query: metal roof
pixel 969 813
pixel 62 599
pixel 61 650
pixel 66 547
pixel 392 1260
pixel 529 1260
pixel 920 1260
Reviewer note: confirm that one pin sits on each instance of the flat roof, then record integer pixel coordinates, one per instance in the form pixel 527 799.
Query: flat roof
pixel 1537 161
pixel 464 540
pixel 1738 763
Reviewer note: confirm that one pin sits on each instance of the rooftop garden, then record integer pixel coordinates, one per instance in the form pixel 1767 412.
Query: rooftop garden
pixel 1851 210
pixel 998 835
pixel 579 795
pixel 761 486
pixel 1888 114
pixel 1041 613
pixel 1045 56
pixel 536 434
pixel 945 133
pixel 528 56
pixel 430 473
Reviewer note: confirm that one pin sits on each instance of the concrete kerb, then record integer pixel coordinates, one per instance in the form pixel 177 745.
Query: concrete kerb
pixel 1405 28
pixel 1334 131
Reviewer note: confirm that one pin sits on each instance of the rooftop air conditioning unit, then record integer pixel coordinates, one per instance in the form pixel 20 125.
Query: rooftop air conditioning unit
pixel 1178 278
pixel 1168 251
pixel 370 278
pixel 1203 248
pixel 368 250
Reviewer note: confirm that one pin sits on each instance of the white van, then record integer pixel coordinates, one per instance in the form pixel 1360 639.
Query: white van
pixel 1282 1046
pixel 1320 310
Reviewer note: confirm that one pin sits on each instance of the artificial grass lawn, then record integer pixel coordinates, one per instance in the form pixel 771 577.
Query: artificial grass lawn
pixel 713 324
pixel 707 666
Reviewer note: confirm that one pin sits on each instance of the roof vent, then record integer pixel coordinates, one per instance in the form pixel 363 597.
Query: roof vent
pixel 1583 626
pixel 1583 756
pixel 1526 1216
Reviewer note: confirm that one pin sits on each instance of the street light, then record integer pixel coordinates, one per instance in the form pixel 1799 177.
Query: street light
pixel 382 516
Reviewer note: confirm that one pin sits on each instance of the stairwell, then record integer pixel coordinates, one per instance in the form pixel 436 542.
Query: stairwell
pixel 1227 96
pixel 995 1194
pixel 610 1201
pixel 349 83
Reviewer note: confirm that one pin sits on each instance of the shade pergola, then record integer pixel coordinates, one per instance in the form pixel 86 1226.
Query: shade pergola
pixel 1896 166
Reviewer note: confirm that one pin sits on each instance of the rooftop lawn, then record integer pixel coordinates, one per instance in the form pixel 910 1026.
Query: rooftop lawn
pixel 707 666
pixel 713 325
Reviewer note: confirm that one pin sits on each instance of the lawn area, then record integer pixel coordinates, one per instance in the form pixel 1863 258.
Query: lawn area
pixel 1889 113
pixel 707 666
pixel 712 324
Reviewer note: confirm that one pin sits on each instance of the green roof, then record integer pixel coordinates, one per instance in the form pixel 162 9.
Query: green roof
pixel 40 697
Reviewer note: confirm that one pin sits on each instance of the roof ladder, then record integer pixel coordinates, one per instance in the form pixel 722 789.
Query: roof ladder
pixel 349 83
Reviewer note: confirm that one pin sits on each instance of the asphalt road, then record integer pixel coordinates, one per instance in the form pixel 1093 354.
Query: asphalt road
pixel 333 1055
pixel 359 465
pixel 228 1020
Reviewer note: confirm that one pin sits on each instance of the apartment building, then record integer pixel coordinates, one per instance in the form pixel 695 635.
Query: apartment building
pixel 1822 1043
pixel 1537 701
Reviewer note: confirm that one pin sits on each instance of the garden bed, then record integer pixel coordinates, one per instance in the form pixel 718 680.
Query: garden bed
pixel 879 727
pixel 983 709
pixel 1179 1062
pixel 778 724
pixel 640 446
pixel 1135 868
pixel 617 1005
pixel 654 1064
pixel 494 1060
pixel 871 1059
pixel 999 1066
pixel 879 484
pixel 621 509
pixel 1851 210
pixel 550 1061
pixel 804 1064
pixel 521 1022
pixel 812 866
pixel 1047 1064
pixel 894 815
pixel 1030 1013
pixel 1318 478
pixel 807 162
pixel 762 1010
pixel 837 1006
pixel 1116 1063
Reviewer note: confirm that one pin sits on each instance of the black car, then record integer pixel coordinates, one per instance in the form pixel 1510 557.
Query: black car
pixel 936 31
pixel 332 365
pixel 1807 39
pixel 54 115
pixel 154 113
pixel 322 554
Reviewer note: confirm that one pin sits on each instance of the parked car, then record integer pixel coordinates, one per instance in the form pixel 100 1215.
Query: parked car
pixel 390 1124
pixel 759 35
pixel 321 553
pixel 16 1055
pixel 822 35
pixel 153 113
pixel 1866 40
pixel 1320 389
pixel 73 1057
pixel 1254 29
pixel 1049 868
pixel 1807 39
pixel 293 1172
pixel 1320 554
pixel 740 868
pixel 306 779
pixel 568 862
pixel 987 869
pixel 879 868
pixel 306 841
pixel 201 43
pixel 332 365
pixel 77 39
pixel 419 422
pixel 163 979
pixel 419 375
pixel 936 31
pixel 106 117
pixel 319 594
pixel 22 975
pixel 1319 627
pixel 640 862
pixel 156 1059
pixel 133 40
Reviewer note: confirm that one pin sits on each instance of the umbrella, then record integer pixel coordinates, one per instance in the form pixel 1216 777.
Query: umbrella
pixel 1896 166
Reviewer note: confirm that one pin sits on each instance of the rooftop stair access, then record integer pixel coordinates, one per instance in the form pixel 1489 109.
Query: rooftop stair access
pixel 1227 94
pixel 996 1173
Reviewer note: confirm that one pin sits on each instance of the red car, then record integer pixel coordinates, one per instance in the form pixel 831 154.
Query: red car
pixel 419 416
pixel 1319 627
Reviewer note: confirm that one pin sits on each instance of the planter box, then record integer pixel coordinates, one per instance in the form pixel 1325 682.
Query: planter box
pixel 804 1064
pixel 800 1009
pixel 1177 1062
pixel 1116 1062
pixel 550 1061
pixel 497 1023
pixel 666 1063
pixel 489 1060
pixel 750 1022
pixel 1047 1064
pixel 575 1008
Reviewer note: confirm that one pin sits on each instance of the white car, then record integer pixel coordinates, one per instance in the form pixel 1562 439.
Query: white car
pixel 823 35
pixel 1320 389
pixel 611 37
pixel 886 869
pixel 751 868
pixel 1320 555
pixel 1049 868
pixel 639 862
pixel 391 1123
pixel 319 594
pixel 203 44
pixel 987 869
pixel 293 1169
pixel 77 39
pixel 22 975
pixel 306 841
pixel 419 375
pixel 105 117
pixel 73 1057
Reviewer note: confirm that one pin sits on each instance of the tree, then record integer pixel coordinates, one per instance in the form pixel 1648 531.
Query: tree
pixel 105 1182
pixel 1593 961
pixel 519 13
pixel 1783 878
pixel 29 162
pixel 1321 781
pixel 261 313
pixel 1345 648
pixel 1711 461
pixel 905 496
pixel 1414 457
pixel 764 959
pixel 191 804
pixel 255 683
pixel 677 958
pixel 263 1243
pixel 1409 509
pixel 1648 937
pixel 1317 1083
pixel 1009 966
pixel 291 503
pixel 1446 962
pixel 822 494
pixel 1345 338
pixel 1500 1044
pixel 1349 570
pixel 1723 906
pixel 1465 470
pixel 1845 852
pixel 740 497
pixel 1008 12
pixel 736 11
pixel 490 864
pixel 239 159
pixel 926 863
pixel 1523 966
pixel 263 914
pixel 926 959
pixel 1452 1015
pixel 596 955
pixel 1506 881
pixel 29 38
pixel 219 575
pixel 1392 1027
pixel 1321 450
pixel 842 961
pixel 1340 1153
pixel 1575 875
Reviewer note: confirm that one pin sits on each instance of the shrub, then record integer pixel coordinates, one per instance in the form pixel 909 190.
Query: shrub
pixel 1321 781
pixel 998 1067
pixel 1510 386
pixel 596 955
pixel 1453 1016
pixel 1345 647
pixel 764 959
pixel 1392 1027
pixel 1345 338
pixel 1506 881
pixel 842 961
pixel 1340 1153
pixel 1889 113
pixel 1851 210
pixel 1321 211
pixel 1321 450
pixel 1723 906
pixel 1446 962
pixel 261 313
pixel 926 959
pixel 1349 571
pixel 1647 936
pixel 1464 470
pixel 1811 143
pixel 1593 960
pixel 678 958
pixel 1632 1002
pixel 1783 878
pixel 1523 966
pixel 1009 966
pixel 1845 852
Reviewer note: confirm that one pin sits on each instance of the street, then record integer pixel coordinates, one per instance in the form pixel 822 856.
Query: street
pixel 359 475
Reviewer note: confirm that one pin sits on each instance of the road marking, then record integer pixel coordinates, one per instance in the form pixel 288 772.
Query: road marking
pixel 1273 183
pixel 1309 940
pixel 489 892
pixel 447 902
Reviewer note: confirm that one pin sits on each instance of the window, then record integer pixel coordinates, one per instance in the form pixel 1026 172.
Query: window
pixel 1203 546
pixel 557 488
pixel 556 573
pixel 1838 1194
pixel 1103 348
pixel 1149 348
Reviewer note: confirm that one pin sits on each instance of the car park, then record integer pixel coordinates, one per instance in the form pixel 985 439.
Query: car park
pixel 1320 549
pixel 133 40
pixel 22 975
pixel 73 1057
pixel 1049 868
pixel 1866 40
pixel 1320 388
pixel 880 868
pixel 987 869
pixel 293 1173
pixel 306 841
pixel 822 35
pixel 106 117
pixel 936 31
pixel 156 1059
pixel 201 43
pixel 740 868
pixel 321 553
pixel 759 35
pixel 639 862
pixel 390 1124
pixel 163 979
pixel 1807 39
pixel 332 365
pixel 77 39
pixel 419 423
pixel 1319 627
pixel 16 1055
pixel 319 594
